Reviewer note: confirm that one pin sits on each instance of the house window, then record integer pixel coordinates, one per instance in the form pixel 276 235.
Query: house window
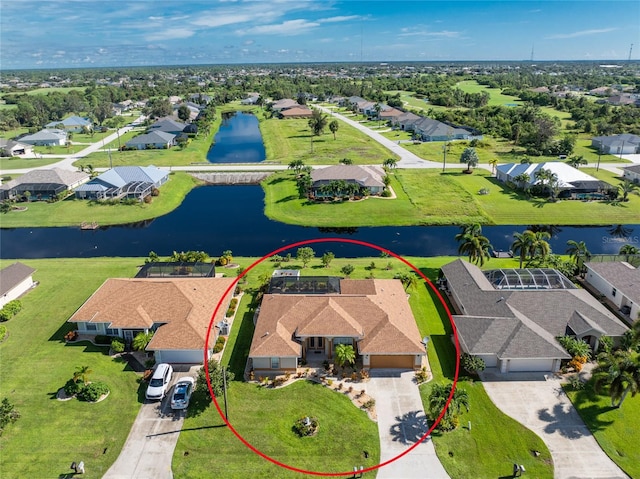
pixel 348 341
pixel 613 292
pixel 275 363
pixel 112 332
pixel 91 326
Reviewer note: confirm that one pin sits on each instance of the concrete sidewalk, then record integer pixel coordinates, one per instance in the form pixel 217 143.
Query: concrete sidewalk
pixel 542 406
pixel 401 423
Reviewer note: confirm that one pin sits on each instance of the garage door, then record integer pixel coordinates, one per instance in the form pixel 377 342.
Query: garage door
pixel 395 362
pixel 193 356
pixel 531 365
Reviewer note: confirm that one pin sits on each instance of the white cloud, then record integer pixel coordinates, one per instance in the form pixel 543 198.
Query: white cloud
pixel 582 33
pixel 341 18
pixel 425 33
pixel 222 20
pixel 170 34
pixel 290 27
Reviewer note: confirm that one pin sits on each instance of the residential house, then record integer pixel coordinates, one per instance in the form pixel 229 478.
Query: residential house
pixel 619 282
pixel 73 124
pixel 624 144
pixel 43 184
pixel 14 148
pixel 428 129
pixel 511 317
pixel 152 140
pixel 283 104
pixel 46 137
pixel 177 310
pixel 194 110
pixel 200 98
pixel 368 178
pixel 251 99
pixel 388 114
pixel 573 183
pixel 307 323
pixel 631 173
pixel 296 112
pixel 351 101
pixel 15 280
pixel 123 182
pixel 406 121
pixel 167 125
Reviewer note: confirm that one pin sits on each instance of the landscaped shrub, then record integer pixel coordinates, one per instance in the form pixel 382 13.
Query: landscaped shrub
pixel 575 347
pixel 71 388
pixel 234 303
pixel 369 403
pixel 472 364
pixel 306 426
pixel 117 345
pixel 3 332
pixel 92 392
pixel 8 414
pixel 104 339
pixel 219 346
pixel 10 310
pixel 386 194
pixel 148 199
pixel 422 376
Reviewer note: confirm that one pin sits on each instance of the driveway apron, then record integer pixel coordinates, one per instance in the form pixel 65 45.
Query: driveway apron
pixel 401 423
pixel 540 404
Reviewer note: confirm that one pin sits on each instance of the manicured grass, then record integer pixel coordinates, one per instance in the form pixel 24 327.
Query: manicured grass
pixel 36 362
pixel 44 91
pixel 288 140
pixel 616 430
pixel 72 212
pixel 495 94
pixel 16 163
pixel 429 197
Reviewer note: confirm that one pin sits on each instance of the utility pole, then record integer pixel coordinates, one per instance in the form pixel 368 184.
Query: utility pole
pixel 630 50
pixel 444 156
pixel 599 154
pixel 110 162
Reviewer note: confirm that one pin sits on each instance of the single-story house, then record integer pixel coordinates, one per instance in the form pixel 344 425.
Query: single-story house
pixel 624 144
pixel 351 101
pixel 631 173
pixel 511 317
pixel 619 282
pixel 123 182
pixel 200 98
pixel 71 124
pixel 178 310
pixel 46 137
pixel 296 112
pixel 572 182
pixel 167 125
pixel 390 113
pixel 283 104
pixel 372 315
pixel 43 184
pixel 251 99
pixel 406 121
pixel 14 148
pixel 152 140
pixel 428 129
pixel 15 280
pixel 368 178
pixel 194 111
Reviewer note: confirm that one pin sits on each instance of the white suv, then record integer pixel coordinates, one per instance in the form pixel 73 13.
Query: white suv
pixel 159 384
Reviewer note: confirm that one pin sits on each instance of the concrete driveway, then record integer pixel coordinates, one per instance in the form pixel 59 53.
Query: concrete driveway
pixel 148 450
pixel 401 423
pixel 542 406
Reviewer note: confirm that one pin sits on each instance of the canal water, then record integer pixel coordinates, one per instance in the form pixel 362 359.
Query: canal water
pixel 238 140
pixel 217 218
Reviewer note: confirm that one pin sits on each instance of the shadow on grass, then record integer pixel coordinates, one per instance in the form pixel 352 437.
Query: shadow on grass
pixel 89 347
pixel 240 353
pixel 288 198
pixel 199 403
pixel 446 352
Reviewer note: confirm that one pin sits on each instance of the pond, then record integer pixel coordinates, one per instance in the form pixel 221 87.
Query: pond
pixel 217 218
pixel 238 140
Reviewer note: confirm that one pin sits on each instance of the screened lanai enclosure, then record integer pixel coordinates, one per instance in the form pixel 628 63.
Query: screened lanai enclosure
pixel 529 278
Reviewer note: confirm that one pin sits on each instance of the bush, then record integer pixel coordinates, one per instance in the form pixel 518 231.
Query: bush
pixel 219 344
pixel 422 376
pixel 148 199
pixel 104 339
pixel 117 345
pixel 369 404
pixel 92 392
pixel 386 194
pixel 71 388
pixel 306 426
pixel 10 310
pixel 3 332
pixel 8 414
pixel 472 364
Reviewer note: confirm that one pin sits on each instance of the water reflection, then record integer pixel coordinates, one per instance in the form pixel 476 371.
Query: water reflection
pixel 238 140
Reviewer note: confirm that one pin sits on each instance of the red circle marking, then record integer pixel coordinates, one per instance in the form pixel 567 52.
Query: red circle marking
pixel 333 240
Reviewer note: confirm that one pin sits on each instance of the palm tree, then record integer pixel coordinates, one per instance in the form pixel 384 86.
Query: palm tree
pixel 629 250
pixel 539 244
pixel 408 280
pixel 317 123
pixel 470 157
pixel 522 180
pixel 390 163
pixel 438 398
pixel 378 108
pixel 620 371
pixel 474 244
pixel 346 161
pixel 344 354
pixel 142 340
pixel 493 162
pixel 522 244
pixel 82 372
pixel 333 126
pixel 578 252
pixel 625 188
pixel 525 160
pixel 296 166
pixel 576 161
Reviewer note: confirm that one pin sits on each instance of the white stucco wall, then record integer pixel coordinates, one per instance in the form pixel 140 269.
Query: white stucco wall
pixel 603 286
pixel 17 291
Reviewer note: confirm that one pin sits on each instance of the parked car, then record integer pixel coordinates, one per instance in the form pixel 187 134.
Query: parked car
pixel 159 384
pixel 182 393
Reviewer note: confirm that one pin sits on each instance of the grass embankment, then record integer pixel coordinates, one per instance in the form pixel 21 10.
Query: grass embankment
pixel 288 140
pixel 36 362
pixel 616 430
pixel 72 212
pixel 428 197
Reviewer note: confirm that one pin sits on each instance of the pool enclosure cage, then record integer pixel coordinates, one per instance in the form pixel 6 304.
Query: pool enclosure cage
pixel 304 285
pixel 530 278
pixel 175 269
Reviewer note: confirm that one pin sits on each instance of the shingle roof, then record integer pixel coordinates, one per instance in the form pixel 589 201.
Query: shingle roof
pixel 183 307
pixel 616 140
pixel 46 134
pixel 70 121
pixel 13 275
pixel 151 138
pixel 54 175
pixel 620 275
pixel 381 322
pixel 363 175
pixel 633 168
pixel 167 125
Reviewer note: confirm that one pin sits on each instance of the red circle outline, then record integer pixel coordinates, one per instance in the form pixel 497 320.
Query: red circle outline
pixel 332 240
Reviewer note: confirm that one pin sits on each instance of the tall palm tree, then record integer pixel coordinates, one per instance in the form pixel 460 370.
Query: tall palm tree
pixel 390 163
pixel 474 244
pixel 522 180
pixel 625 188
pixel 578 252
pixel 576 161
pixel 620 371
pixel 296 165
pixel 317 123
pixel 539 244
pixel 439 396
pixel 333 127
pixel 629 250
pixel 493 162
pixel 522 244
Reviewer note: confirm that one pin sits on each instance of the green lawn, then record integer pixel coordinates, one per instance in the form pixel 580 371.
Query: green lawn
pixel 496 97
pixel 288 140
pixel 15 163
pixel 44 91
pixel 36 362
pixel 72 212
pixel 429 197
pixel 616 430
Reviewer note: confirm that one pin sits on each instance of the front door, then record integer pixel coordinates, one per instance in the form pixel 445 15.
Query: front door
pixel 316 343
pixel 128 335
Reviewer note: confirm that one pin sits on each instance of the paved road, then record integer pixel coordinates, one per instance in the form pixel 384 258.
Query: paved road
pixel 542 406
pixel 401 423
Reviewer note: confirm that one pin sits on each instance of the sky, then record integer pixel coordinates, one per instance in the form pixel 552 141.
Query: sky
pixel 94 33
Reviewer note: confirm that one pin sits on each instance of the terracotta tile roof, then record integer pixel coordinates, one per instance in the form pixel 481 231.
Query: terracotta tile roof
pixel 374 312
pixel 182 305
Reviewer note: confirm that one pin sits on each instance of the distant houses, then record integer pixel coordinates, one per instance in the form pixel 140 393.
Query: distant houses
pixel 14 148
pixel 631 173
pixel 42 184
pixel 46 137
pixel 624 144
pixel 122 182
pixel 73 124
pixel 163 134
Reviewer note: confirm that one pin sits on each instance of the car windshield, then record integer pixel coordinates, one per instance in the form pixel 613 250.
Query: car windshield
pixel 155 383
pixel 179 396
